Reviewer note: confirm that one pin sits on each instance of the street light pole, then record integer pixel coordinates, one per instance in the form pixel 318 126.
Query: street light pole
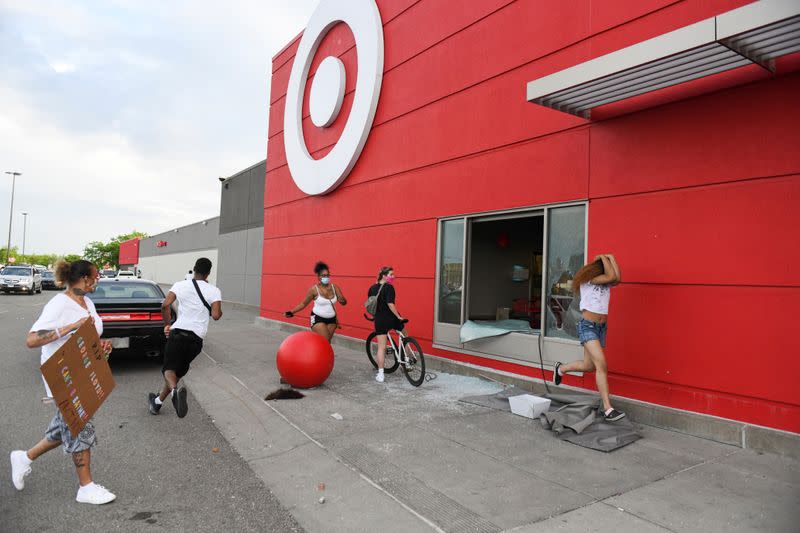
pixel 11 214
pixel 24 229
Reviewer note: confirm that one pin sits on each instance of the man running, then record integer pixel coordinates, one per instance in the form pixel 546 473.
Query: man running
pixel 197 300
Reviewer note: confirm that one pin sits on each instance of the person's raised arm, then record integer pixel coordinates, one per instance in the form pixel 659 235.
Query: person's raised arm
pixel 302 305
pixel 615 266
pixel 36 339
pixel 608 275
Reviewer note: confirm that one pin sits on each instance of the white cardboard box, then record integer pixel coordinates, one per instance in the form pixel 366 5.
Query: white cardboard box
pixel 528 405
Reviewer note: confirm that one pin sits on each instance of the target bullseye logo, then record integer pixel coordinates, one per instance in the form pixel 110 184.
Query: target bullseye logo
pixel 320 176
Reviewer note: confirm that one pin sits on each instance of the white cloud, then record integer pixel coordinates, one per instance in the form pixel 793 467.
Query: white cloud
pixel 62 68
pixel 122 114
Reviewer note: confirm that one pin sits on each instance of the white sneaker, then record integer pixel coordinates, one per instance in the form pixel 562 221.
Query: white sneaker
pixel 94 494
pixel 20 467
pixel 379 377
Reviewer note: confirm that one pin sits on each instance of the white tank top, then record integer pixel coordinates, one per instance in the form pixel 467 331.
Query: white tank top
pixel 595 298
pixel 324 307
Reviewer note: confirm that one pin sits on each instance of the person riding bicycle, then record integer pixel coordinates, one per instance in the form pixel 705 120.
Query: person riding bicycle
pixel 387 317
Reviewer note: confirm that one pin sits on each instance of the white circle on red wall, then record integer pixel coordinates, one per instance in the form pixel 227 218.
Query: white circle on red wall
pixel 327 92
pixel 320 176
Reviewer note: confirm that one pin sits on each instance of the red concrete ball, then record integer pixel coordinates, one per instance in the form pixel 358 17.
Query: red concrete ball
pixel 305 359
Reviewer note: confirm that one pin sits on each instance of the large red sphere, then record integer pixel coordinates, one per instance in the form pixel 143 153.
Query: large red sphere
pixel 305 359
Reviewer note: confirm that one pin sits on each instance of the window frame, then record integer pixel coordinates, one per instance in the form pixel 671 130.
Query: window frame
pixel 565 348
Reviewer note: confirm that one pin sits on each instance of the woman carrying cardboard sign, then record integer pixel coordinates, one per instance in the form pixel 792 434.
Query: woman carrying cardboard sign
pixel 60 318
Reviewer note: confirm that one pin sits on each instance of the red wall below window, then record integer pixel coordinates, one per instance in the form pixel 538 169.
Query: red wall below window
pixel 696 197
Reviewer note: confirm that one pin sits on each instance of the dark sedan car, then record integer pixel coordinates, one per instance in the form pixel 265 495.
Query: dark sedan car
pixel 131 314
pixel 49 280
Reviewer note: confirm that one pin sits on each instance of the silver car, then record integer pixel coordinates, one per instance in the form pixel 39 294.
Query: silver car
pixel 21 279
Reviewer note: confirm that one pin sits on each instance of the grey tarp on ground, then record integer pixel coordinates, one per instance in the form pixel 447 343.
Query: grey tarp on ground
pixel 572 417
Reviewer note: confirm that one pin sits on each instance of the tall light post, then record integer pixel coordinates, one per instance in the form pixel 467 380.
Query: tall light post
pixel 11 214
pixel 24 229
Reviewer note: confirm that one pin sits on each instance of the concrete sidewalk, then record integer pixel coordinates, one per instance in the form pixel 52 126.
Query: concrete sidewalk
pixel 417 459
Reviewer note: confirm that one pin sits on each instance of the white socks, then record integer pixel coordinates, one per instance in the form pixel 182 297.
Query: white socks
pixel 158 398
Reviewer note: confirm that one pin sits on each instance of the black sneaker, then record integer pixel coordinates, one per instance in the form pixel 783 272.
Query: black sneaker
pixel 179 402
pixel 556 376
pixel 151 400
pixel 613 415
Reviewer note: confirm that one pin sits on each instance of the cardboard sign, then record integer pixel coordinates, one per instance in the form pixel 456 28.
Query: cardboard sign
pixel 79 377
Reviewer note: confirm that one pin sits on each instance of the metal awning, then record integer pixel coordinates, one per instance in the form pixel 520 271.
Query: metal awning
pixel 754 34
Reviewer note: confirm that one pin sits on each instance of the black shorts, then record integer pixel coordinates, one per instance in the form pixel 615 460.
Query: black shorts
pixel 383 324
pixel 316 319
pixel 181 349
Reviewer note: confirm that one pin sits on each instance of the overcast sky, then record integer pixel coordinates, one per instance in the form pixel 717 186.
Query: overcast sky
pixel 121 114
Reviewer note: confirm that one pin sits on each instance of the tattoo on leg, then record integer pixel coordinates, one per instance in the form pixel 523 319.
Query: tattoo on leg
pixel 79 459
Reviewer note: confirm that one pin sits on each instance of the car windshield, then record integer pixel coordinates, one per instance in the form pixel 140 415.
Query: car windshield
pixel 123 274
pixel 109 273
pixel 126 291
pixel 17 271
pixel 47 275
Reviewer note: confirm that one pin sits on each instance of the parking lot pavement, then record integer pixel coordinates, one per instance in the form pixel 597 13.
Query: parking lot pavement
pixel 398 458
pixel 163 470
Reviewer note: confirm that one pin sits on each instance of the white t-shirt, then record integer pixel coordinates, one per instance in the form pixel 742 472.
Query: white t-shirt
pixel 192 314
pixel 62 311
pixel 595 298
pixel 188 277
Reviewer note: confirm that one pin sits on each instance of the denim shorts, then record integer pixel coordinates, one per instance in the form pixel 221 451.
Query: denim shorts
pixel 592 331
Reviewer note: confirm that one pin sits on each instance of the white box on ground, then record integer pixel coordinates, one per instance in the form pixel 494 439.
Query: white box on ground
pixel 528 405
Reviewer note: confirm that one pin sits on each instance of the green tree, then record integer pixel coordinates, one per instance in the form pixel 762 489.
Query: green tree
pixel 69 258
pixel 107 253
pixel 4 254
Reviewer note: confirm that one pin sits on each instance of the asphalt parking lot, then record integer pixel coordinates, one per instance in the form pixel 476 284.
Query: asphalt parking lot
pixel 163 470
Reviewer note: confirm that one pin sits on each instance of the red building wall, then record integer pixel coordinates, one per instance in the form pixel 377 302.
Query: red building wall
pixel 129 252
pixel 696 197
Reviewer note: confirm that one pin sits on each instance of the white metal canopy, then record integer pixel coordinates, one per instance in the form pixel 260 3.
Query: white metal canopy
pixel 754 34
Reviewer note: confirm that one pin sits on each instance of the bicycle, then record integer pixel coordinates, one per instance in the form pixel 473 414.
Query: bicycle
pixel 411 359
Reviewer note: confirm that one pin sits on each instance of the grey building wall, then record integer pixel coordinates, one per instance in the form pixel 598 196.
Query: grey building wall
pixel 203 235
pixel 239 276
pixel 241 235
pixel 185 245
pixel 242 199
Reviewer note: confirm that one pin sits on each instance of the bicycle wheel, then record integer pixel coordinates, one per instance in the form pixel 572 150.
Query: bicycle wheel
pixel 414 368
pixel 390 362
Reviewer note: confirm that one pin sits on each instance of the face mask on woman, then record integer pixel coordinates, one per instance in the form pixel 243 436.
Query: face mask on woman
pixel 390 279
pixel 325 280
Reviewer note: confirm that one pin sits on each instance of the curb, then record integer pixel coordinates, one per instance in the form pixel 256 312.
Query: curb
pixel 724 430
